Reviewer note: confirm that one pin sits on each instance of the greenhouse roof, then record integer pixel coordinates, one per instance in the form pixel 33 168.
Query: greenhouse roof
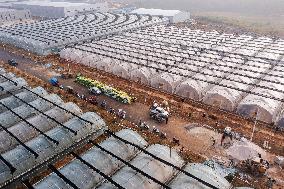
pixel 52 4
pixel 156 12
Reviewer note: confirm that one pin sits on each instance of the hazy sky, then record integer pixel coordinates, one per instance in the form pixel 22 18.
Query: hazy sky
pixel 243 6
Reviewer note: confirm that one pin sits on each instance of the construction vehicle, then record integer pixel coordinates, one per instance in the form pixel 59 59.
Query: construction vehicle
pixel 12 62
pixel 158 113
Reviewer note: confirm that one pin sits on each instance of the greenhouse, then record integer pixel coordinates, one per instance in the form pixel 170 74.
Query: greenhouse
pixel 7 119
pixel 105 64
pixel 275 50
pixel 25 133
pixel 166 82
pixel 10 86
pixel 84 177
pixel 23 160
pixel 252 47
pixel 117 159
pixel 123 69
pixel 264 106
pixel 232 43
pixel 143 75
pixel 242 78
pixel 204 172
pixel 44 37
pixel 8 75
pixel 13 102
pixel 196 88
pixel 280 120
pixel 128 178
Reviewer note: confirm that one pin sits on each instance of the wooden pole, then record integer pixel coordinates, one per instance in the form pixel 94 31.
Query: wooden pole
pixel 253 129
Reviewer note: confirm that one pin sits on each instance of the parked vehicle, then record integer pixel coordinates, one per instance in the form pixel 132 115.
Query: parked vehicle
pixel 12 62
pixel 158 113
pixel 54 81
pixel 95 91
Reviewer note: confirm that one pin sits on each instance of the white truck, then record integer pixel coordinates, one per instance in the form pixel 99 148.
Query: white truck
pixel 158 113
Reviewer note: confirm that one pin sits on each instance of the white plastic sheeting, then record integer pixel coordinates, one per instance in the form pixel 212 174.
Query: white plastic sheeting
pixel 167 81
pixel 145 74
pixel 227 98
pixel 266 109
pixel 13 102
pixel 9 75
pixel 128 178
pixel 25 133
pixel 90 59
pixel 233 43
pixel 252 47
pixel 273 51
pixel 23 160
pixel 7 119
pixel 280 120
pixel 84 177
pixel 203 172
pixel 9 86
pixel 2 71
pixel 124 69
pixel 196 89
pixel 142 75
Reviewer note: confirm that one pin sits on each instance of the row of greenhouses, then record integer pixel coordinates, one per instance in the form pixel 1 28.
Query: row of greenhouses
pixel 262 47
pixel 44 37
pixel 108 157
pixel 246 78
